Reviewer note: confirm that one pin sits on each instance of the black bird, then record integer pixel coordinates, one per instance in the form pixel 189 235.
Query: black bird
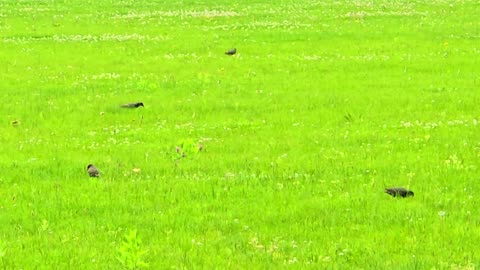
pixel 132 105
pixel 231 52
pixel 399 191
pixel 92 171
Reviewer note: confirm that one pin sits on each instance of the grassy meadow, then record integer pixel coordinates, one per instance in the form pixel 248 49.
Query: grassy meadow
pixel 325 104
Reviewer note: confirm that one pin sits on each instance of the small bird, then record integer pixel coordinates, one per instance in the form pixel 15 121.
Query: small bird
pixel 132 105
pixel 399 191
pixel 92 171
pixel 231 51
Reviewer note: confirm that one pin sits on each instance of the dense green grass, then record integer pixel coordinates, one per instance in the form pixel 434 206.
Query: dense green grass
pixel 325 104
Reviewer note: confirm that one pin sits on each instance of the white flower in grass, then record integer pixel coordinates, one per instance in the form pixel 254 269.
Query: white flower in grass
pixel 293 260
pixel 294 244
pixel 454 162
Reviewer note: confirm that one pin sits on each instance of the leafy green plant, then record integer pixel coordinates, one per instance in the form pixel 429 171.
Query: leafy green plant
pixel 187 148
pixel 131 252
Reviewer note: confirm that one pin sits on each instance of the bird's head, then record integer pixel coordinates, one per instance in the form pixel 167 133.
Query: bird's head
pixel 89 166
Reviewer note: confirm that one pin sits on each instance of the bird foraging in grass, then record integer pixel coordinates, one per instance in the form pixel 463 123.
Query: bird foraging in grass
pixel 399 191
pixel 231 51
pixel 132 105
pixel 92 171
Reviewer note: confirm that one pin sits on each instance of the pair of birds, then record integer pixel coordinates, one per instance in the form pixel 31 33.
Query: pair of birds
pixel 91 169
pixel 395 192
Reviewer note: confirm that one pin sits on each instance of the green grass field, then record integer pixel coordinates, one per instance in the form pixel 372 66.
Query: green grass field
pixel 325 104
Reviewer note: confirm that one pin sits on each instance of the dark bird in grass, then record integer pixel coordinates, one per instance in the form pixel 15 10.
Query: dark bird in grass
pixel 399 191
pixel 231 51
pixel 92 171
pixel 132 105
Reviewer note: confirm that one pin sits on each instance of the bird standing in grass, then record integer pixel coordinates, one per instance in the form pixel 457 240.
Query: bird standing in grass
pixel 132 105
pixel 399 191
pixel 231 51
pixel 92 171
